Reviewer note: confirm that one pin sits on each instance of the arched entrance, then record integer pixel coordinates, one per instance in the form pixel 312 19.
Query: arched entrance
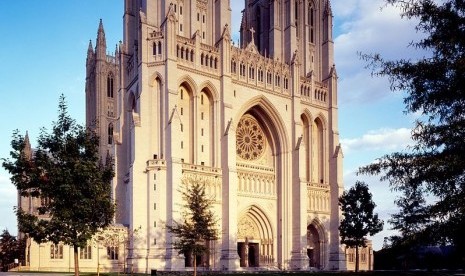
pixel 260 142
pixel 315 246
pixel 254 241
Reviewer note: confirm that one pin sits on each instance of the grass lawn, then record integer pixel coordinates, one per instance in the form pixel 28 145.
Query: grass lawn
pixel 288 273
pixel 371 273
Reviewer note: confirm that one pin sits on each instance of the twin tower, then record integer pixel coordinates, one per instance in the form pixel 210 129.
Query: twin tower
pixel 256 122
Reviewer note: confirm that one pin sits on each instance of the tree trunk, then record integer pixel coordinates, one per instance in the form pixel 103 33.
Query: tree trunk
pixel 356 259
pixel 76 261
pixel 195 265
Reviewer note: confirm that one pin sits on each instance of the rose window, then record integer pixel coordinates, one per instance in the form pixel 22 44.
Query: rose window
pixel 250 139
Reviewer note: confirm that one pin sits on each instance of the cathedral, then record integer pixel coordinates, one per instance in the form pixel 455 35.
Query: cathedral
pixel 256 121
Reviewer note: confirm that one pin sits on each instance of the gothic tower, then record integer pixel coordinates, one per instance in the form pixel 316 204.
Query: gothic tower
pixel 102 82
pixel 281 28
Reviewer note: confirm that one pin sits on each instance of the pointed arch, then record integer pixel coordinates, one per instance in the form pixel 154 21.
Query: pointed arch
pixel 271 124
pixel 110 133
pixel 306 136
pixel 267 112
pixel 311 21
pixel 323 119
pixel 154 78
pixel 260 218
pixel 318 136
pixel 189 83
pixel 318 224
pixel 157 98
pixel 255 237
pixel 316 244
pixel 211 88
pixel 110 85
pixel 185 126
pixel 206 120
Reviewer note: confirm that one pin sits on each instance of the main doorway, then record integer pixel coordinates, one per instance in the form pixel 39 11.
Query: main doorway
pixel 249 253
pixel 314 244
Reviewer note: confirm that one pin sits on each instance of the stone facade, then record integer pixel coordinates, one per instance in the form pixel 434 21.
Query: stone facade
pixel 258 121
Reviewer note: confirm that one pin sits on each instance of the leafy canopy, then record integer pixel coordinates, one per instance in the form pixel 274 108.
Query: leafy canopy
pixel 10 249
pixel 359 220
pixel 431 176
pixel 66 173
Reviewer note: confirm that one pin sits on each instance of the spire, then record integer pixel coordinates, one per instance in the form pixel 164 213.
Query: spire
pixel 90 49
pixel 100 33
pixel 27 150
pixel 101 47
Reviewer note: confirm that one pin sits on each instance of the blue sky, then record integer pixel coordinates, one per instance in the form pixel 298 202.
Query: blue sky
pixel 43 50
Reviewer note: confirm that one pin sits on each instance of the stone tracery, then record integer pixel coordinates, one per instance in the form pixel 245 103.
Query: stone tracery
pixel 250 139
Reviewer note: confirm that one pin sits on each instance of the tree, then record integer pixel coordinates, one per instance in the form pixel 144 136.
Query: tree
pixel 199 225
pixel 433 170
pixel 114 237
pixel 10 249
pixel 66 172
pixel 359 221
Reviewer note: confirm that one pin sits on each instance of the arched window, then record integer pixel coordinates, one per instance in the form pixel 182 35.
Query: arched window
pixel 205 129
pixel 317 152
pixel 311 22
pixel 110 133
pixel 306 142
pixel 110 86
pixel 233 66
pixel 154 49
pixel 185 103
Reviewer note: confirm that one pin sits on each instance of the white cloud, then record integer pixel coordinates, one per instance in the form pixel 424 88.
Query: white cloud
pixel 384 139
pixel 360 87
pixel 363 27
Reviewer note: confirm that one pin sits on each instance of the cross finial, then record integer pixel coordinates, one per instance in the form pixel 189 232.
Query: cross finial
pixel 252 32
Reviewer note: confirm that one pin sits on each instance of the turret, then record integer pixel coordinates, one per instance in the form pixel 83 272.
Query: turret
pixel 27 150
pixel 90 57
pixel 101 47
pixel 90 50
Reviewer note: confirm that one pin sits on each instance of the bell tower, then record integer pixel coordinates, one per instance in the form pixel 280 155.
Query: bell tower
pixel 207 17
pixel 279 28
pixel 102 75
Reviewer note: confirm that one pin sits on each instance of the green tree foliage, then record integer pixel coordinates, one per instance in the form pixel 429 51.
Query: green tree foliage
pixel 10 249
pixel 359 220
pixel 199 225
pixel 67 173
pixel 431 176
